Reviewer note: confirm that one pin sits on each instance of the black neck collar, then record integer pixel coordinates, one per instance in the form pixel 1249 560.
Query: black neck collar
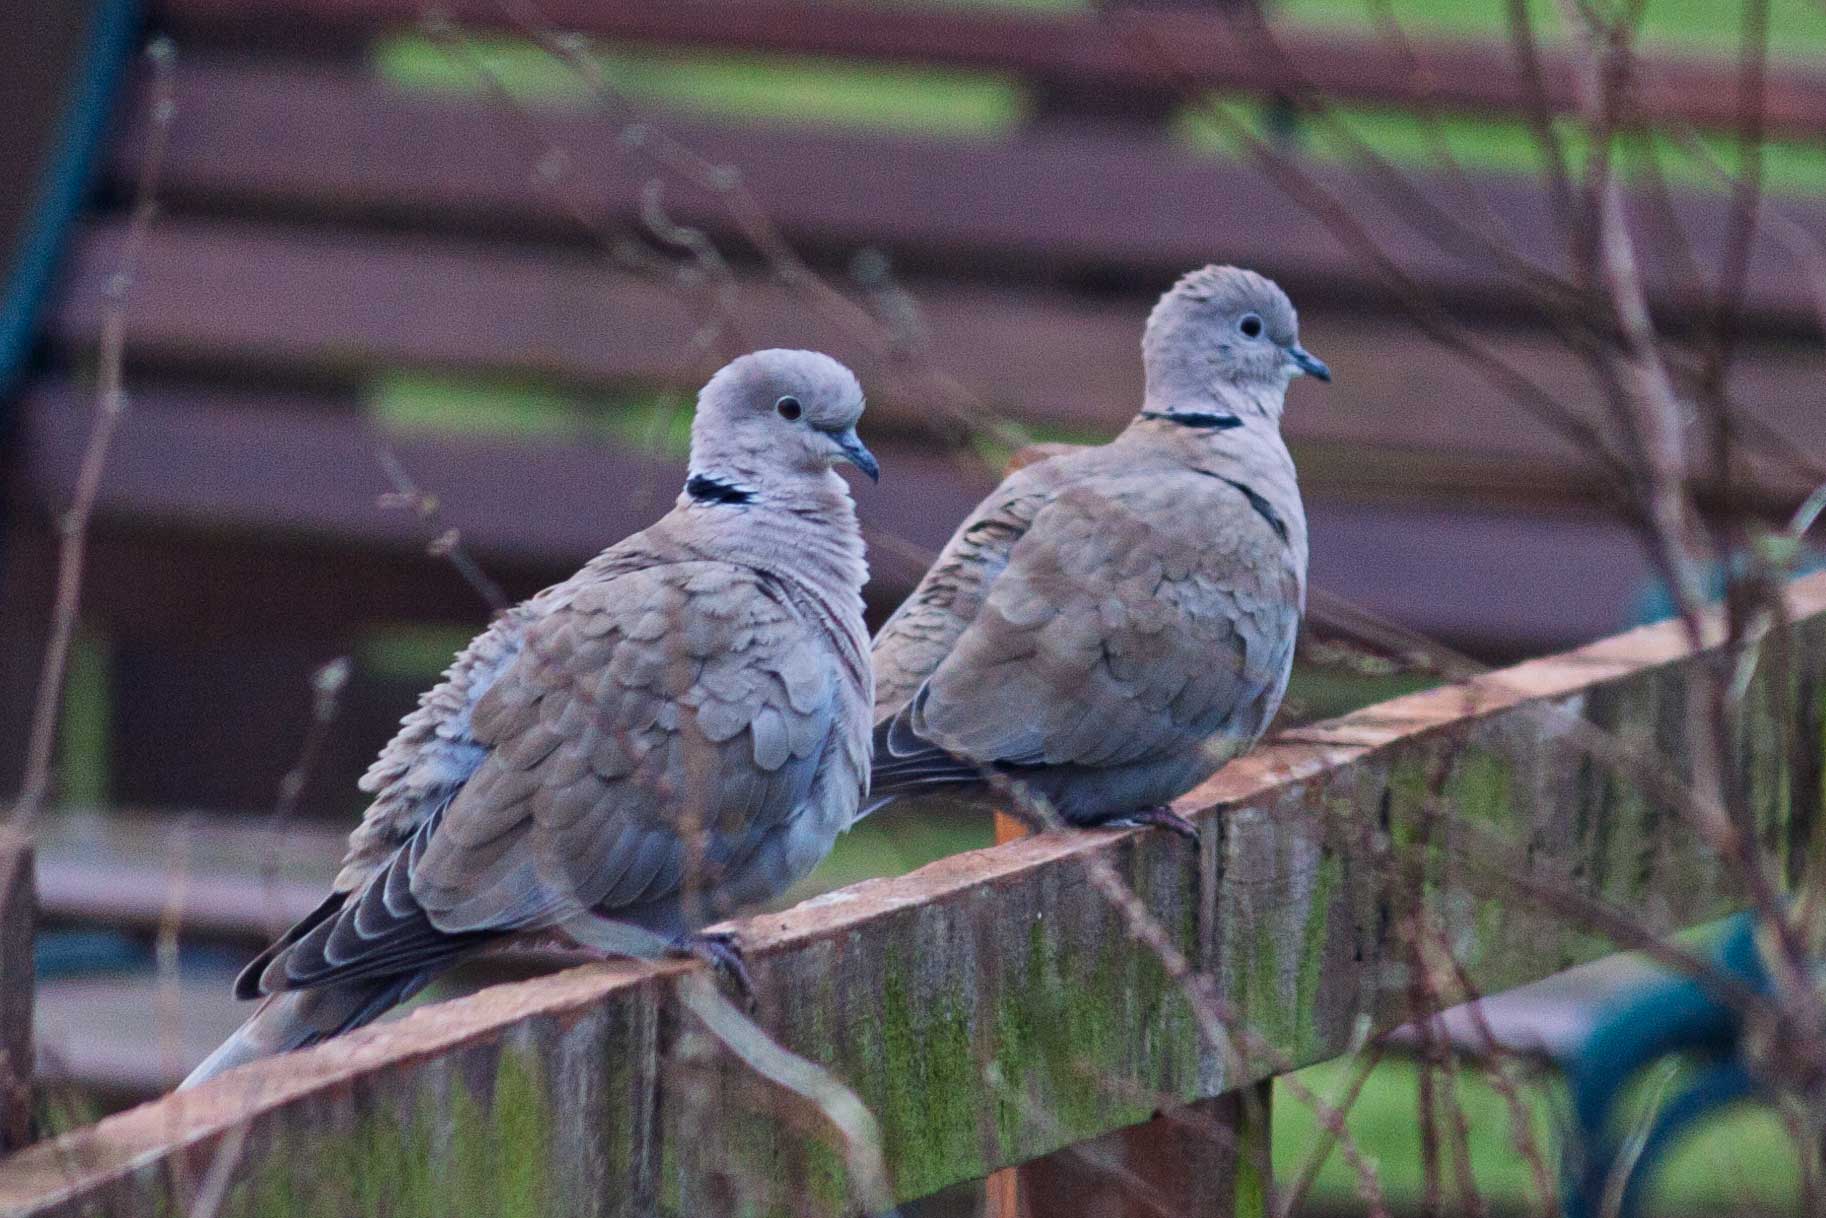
pixel 1197 419
pixel 705 489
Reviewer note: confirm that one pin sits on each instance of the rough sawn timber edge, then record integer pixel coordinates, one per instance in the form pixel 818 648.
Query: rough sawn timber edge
pixel 989 1008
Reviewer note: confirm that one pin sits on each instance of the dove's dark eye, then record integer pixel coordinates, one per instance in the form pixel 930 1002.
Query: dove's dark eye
pixel 1250 325
pixel 788 407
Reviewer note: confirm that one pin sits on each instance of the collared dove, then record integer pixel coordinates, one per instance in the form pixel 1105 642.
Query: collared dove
pixel 1111 625
pixel 675 733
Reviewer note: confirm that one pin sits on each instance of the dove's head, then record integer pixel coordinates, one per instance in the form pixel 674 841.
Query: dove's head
pixel 773 419
pixel 1226 334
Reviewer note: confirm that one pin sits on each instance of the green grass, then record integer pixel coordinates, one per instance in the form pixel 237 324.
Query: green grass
pixel 1797 27
pixel 1744 1158
pixel 426 403
pixel 1497 146
pixel 800 90
pixel 410 653
pixel 1324 693
pixel 894 843
pixel 85 725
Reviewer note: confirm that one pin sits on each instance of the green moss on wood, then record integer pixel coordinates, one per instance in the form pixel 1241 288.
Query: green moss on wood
pixel 1084 1007
pixel 469 1154
pixel 928 1110
pixel 1311 973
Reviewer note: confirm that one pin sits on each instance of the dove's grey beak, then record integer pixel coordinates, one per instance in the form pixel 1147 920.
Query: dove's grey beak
pixel 857 454
pixel 1309 363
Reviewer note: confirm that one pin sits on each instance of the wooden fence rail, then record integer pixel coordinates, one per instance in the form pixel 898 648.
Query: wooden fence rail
pixel 992 1008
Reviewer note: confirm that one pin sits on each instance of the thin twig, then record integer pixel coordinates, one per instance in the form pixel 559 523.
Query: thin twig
pixel 110 406
pixel 327 685
pixel 448 544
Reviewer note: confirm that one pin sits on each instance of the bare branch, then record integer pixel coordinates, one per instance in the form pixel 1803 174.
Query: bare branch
pixel 110 405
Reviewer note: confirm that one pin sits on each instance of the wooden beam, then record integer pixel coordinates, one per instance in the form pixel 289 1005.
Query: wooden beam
pixel 1204 1160
pixel 991 1007
pixel 1121 51
pixel 18 917
pixel 1076 203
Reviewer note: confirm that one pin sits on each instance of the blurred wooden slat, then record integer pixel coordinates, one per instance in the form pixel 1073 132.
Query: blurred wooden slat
pixel 1062 203
pixel 117 1037
pixel 216 878
pixel 303 306
pixel 238 463
pixel 1126 51
pixel 39 60
pixel 123 1037
pixel 27 592
pixel 233 466
pixel 1546 1021
pixel 138 894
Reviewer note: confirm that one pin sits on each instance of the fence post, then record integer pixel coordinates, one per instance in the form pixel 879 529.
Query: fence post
pixel 1211 1159
pixel 18 913
pixel 1207 1160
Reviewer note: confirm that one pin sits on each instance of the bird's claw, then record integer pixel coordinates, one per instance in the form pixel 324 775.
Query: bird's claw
pixel 1161 817
pixel 722 951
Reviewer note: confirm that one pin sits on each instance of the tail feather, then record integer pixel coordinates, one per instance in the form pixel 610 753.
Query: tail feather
pixel 906 763
pixel 296 1019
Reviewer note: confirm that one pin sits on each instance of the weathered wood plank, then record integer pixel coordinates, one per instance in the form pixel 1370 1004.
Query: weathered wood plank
pixel 1108 51
pixel 18 917
pixel 1076 202
pixel 990 1008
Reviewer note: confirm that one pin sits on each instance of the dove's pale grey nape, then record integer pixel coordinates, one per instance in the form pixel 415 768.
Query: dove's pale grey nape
pixel 706 676
pixel 1112 624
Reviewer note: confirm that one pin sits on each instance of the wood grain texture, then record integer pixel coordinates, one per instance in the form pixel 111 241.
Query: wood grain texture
pixel 989 1008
